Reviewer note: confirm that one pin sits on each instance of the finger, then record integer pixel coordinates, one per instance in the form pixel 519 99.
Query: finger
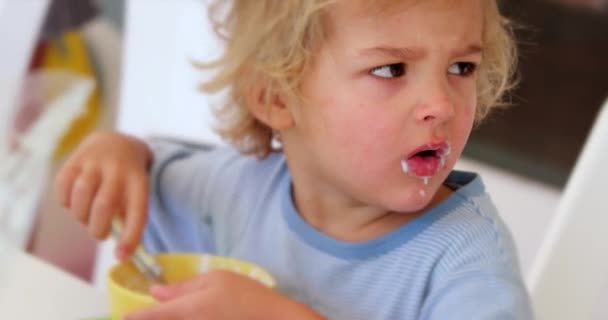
pixel 136 213
pixel 64 183
pixel 181 308
pixel 178 289
pixel 84 190
pixel 106 204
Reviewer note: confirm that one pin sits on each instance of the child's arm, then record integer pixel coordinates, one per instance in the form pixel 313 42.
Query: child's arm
pixel 180 183
pixel 107 175
pixel 222 295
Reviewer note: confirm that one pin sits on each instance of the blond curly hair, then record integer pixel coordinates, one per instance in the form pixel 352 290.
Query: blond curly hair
pixel 274 40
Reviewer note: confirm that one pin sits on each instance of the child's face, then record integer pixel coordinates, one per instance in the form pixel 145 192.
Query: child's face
pixel 381 88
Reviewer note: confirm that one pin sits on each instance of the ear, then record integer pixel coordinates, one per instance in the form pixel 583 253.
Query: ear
pixel 276 114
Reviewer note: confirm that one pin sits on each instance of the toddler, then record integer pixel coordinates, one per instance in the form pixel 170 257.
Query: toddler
pixel 345 118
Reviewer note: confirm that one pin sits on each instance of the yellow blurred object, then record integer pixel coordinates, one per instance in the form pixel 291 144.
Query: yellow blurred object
pixel 128 287
pixel 69 53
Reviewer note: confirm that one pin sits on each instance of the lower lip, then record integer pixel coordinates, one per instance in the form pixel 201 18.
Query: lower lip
pixel 424 166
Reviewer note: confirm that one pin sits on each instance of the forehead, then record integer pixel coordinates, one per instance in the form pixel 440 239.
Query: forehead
pixel 406 20
pixel 366 9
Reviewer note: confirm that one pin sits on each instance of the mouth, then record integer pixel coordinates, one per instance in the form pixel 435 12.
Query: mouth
pixel 425 161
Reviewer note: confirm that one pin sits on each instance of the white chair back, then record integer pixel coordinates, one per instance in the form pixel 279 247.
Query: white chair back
pixel 570 274
pixel 20 23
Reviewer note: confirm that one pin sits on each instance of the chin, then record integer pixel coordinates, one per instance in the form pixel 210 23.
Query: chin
pixel 414 198
pixel 413 203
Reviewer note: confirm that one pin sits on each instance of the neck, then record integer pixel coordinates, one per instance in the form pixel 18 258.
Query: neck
pixel 343 218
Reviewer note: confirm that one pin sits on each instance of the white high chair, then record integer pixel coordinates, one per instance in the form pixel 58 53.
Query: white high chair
pixel 18 194
pixel 26 17
pixel 24 172
pixel 569 278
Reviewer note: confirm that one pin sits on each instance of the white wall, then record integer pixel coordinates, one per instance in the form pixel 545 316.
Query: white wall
pixel 159 91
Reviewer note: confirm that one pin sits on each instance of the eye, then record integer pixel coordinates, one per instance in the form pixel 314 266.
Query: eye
pixel 394 70
pixel 464 69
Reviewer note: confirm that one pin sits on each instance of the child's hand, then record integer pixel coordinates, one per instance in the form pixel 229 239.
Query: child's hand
pixel 107 175
pixel 221 295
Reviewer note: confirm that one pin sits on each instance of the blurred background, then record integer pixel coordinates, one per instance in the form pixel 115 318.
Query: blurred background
pixel 126 65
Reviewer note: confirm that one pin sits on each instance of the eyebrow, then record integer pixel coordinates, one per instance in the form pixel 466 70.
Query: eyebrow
pixel 417 53
pixel 399 53
pixel 469 50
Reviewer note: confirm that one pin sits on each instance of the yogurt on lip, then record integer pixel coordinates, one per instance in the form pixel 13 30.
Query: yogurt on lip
pixel 426 161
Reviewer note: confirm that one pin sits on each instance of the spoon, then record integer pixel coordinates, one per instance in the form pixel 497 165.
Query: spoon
pixel 142 259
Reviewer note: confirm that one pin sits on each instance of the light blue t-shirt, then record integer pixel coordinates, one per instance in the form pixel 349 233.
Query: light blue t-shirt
pixel 456 261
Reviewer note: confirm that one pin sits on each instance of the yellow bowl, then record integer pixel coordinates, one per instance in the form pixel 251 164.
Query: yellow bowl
pixel 128 288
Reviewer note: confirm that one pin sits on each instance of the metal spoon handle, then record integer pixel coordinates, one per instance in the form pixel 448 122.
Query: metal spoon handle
pixel 143 261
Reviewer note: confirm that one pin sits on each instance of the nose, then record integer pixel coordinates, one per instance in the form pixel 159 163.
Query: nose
pixel 435 104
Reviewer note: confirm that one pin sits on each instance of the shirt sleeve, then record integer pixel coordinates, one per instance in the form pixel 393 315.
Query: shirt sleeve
pixel 477 295
pixel 478 275
pixel 179 180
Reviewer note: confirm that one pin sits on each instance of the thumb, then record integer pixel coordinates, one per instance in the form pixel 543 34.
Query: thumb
pixel 178 289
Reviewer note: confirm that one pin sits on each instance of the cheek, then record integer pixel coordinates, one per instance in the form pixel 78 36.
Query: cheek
pixel 462 128
pixel 466 91
pixel 467 118
pixel 364 136
pixel 466 104
pixel 469 113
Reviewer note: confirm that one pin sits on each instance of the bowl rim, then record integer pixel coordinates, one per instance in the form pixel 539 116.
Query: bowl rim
pixel 146 297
